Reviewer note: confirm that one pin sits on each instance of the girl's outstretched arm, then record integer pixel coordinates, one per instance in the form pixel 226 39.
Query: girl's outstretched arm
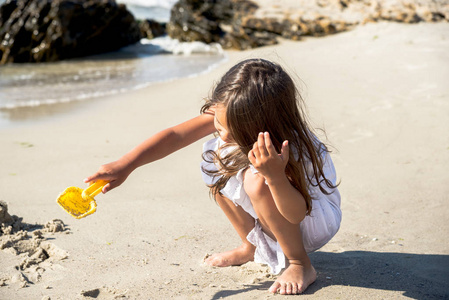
pixel 156 147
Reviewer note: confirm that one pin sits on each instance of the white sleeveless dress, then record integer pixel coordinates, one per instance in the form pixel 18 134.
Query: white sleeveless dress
pixel 317 228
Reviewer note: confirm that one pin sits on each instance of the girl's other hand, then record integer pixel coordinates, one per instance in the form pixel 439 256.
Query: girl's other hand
pixel 266 160
pixel 115 172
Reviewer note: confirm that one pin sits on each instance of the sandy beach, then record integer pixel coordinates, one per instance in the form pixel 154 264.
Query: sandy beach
pixel 381 93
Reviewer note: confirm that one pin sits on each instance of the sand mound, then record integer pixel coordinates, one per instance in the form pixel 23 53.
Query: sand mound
pixel 28 242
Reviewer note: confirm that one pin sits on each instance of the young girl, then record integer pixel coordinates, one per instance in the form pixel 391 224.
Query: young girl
pixel 272 177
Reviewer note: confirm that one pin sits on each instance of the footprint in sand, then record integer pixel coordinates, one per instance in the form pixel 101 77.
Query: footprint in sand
pixel 104 293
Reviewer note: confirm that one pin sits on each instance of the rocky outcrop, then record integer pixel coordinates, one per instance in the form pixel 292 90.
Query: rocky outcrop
pixel 211 21
pixel 244 24
pixel 51 30
pixel 193 20
pixel 151 29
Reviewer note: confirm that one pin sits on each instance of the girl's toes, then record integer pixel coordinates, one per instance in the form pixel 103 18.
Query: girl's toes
pixel 288 288
pixel 274 287
pixel 283 289
pixel 295 289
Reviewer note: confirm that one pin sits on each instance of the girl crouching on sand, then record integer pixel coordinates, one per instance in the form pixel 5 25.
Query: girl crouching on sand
pixel 274 180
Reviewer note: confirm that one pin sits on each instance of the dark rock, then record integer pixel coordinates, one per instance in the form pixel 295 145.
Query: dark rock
pixel 242 38
pixel 234 24
pixel 285 28
pixel 151 29
pixel 213 21
pixel 395 14
pixel 199 20
pixel 45 30
pixel 242 24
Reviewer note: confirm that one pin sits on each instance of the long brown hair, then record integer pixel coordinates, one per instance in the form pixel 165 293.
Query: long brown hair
pixel 260 96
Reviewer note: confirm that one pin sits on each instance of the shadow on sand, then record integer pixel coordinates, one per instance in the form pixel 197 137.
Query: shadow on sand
pixel 418 276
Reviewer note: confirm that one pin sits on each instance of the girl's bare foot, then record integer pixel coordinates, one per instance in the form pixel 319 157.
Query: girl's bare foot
pixel 294 280
pixel 235 257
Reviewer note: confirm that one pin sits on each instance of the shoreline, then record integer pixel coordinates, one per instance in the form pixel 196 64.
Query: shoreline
pixel 81 80
pixel 380 93
pixel 27 115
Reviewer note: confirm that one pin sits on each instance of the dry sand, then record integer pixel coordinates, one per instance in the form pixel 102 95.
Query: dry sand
pixel 380 91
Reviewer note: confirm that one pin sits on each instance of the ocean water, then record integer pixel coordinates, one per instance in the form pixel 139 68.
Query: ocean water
pixel 32 87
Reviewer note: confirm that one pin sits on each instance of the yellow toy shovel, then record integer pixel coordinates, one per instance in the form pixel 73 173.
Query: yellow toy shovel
pixel 78 202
